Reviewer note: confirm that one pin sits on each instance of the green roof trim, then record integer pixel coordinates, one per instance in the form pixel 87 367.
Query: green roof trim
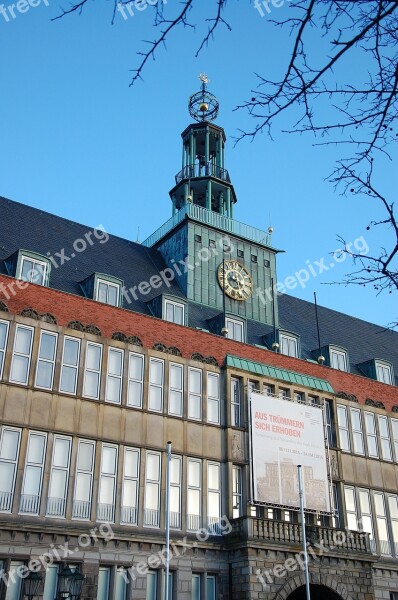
pixel 276 373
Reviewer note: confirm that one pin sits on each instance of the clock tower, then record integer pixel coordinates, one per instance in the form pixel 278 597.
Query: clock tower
pixel 224 264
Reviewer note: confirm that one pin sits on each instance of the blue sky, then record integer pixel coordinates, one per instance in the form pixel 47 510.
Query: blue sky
pixel 76 140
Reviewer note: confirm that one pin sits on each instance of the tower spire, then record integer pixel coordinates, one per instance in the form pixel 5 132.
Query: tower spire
pixel 203 179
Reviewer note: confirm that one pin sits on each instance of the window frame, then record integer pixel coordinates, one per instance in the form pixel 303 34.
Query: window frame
pixel 289 338
pixel 214 399
pixel 237 491
pixel 235 323
pixel 3 350
pixel 78 470
pixel 345 428
pixel 70 366
pixel 198 489
pixel 158 482
pixel 41 466
pixel 136 479
pixel 103 280
pixel 135 381
pixel 357 432
pixel 97 372
pixel 104 475
pixel 18 327
pixel 195 395
pixel 236 402
pixel 174 304
pixel 9 461
pixel 109 375
pixel 384 366
pixel 36 259
pixel 176 486
pixel 57 468
pixel 373 435
pixel 384 418
pixel 46 360
pixel 338 352
pixel 176 390
pixel 212 523
pixel 153 360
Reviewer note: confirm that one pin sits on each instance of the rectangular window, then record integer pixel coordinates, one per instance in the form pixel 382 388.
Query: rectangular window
pixel 381 523
pixel 344 434
pixel 107 484
pixel 59 477
pixel 14 586
pixel 33 475
pixel 384 437
pixel 136 380
pixel 357 435
pixel 194 393
pixel 9 453
pixel 214 497
pixel 175 492
pixel 51 582
pixel 130 489
pixel 236 491
pixel 213 398
pixel 338 360
pixel 69 365
pixel 21 355
pixel 156 379
pixel 104 581
pixel 268 390
pixel 371 435
pixel 114 376
pixel 235 330
pixel 195 595
pixel 392 500
pixel 33 270
pixel 211 587
pixel 336 507
pixel 174 312
pixel 328 407
pixel 84 480
pixel 351 508
pixel 383 373
pixel 394 428
pixel 3 344
pixel 288 345
pixel 299 397
pixel 176 386
pixel 194 493
pixel 152 585
pixel 366 516
pixel 46 360
pixel 236 395
pixel 283 394
pixel 108 293
pixel 92 371
pixel 121 580
pixel 152 490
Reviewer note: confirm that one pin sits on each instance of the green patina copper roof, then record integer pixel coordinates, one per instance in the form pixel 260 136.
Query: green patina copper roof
pixel 277 373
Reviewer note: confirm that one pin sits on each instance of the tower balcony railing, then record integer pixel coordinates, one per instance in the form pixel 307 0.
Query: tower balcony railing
pixel 204 169
pixel 283 533
pixel 214 219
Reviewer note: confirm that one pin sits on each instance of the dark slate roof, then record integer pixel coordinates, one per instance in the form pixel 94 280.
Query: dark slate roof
pixel 23 227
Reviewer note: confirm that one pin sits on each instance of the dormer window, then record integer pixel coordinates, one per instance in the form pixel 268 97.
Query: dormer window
pixel 235 329
pixel 288 344
pixel 338 359
pixel 174 312
pixel 383 372
pixel 107 292
pixel 29 266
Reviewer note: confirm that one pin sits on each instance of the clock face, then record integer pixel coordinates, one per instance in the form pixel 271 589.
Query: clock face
pixel 235 280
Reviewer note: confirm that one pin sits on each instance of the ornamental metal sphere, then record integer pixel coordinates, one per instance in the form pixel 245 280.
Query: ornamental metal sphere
pixel 203 106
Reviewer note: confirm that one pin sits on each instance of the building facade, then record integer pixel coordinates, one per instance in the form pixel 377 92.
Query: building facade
pixel 109 349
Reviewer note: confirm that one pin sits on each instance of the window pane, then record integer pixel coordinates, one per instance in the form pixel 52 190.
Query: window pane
pixel 156 372
pixel 86 452
pixel 71 352
pixel 93 359
pixel 61 453
pixel 112 295
pixel 109 460
pixel 51 582
pixel 68 379
pixel 115 362
pixel 131 463
pixel 213 477
pixel 103 583
pixel 9 444
pixel 47 346
pixel 136 365
pixel 22 340
pixel 153 466
pixel 36 449
pixel 194 473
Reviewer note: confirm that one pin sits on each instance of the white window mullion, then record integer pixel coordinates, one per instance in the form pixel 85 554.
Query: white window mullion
pixel 357 435
pixel 92 371
pixel 21 355
pixel 384 437
pixel 33 474
pixel 46 360
pixel 4 327
pixel 135 380
pixel 236 396
pixel 214 497
pixel 59 477
pixel 84 480
pixel 9 453
pixel 344 433
pixel 371 435
pixel 114 376
pixel 213 398
pixel 130 489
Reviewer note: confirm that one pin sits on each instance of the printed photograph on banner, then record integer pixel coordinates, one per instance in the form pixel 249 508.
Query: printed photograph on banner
pixel 286 434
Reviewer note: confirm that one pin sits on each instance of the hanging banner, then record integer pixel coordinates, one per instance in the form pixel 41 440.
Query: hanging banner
pixel 286 434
